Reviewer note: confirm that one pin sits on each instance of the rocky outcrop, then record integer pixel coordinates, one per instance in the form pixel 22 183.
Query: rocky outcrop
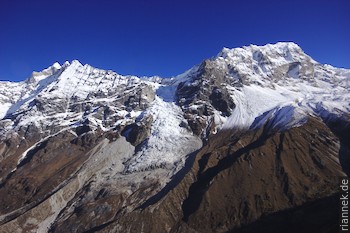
pixel 204 93
pixel 137 132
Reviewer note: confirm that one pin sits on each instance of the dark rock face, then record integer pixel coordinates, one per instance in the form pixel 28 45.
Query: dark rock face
pixel 205 92
pixel 140 99
pixel 222 103
pixel 137 132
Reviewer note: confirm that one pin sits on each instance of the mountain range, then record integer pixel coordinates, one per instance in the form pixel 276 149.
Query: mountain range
pixel 255 139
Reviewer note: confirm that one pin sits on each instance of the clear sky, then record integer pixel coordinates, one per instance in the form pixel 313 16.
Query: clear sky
pixel 150 37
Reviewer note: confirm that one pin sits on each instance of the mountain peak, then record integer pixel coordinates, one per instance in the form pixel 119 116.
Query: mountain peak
pixel 76 62
pixel 56 65
pixel 40 75
pixel 279 48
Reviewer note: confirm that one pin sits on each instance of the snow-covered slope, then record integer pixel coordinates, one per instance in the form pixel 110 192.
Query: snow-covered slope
pixel 284 75
pixel 13 95
pixel 10 92
pixel 70 95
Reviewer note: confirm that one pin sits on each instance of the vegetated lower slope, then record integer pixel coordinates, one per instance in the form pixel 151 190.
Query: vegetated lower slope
pixel 251 137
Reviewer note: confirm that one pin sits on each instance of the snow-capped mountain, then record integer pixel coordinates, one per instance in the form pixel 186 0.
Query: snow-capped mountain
pixel 85 143
pixel 74 96
pixel 244 83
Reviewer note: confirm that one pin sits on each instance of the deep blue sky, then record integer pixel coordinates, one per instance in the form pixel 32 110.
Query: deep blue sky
pixel 149 37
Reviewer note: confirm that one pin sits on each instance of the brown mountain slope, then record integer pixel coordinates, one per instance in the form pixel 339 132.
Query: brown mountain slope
pixel 233 181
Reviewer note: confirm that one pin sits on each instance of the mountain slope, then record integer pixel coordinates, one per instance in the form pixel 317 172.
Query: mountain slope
pixel 251 134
